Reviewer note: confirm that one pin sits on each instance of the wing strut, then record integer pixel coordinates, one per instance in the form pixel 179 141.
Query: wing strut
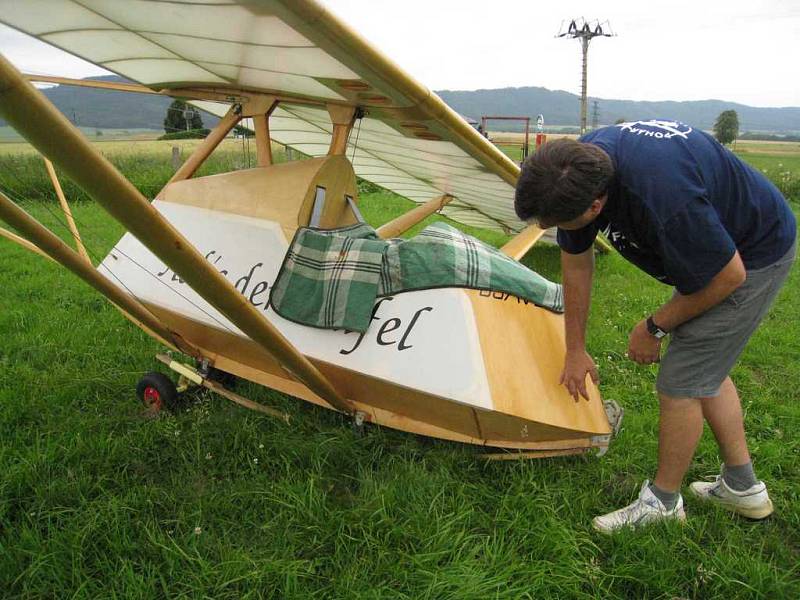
pixel 342 118
pixel 407 220
pixel 260 110
pixel 30 113
pixel 518 246
pixel 208 145
pixel 67 212
pixel 21 241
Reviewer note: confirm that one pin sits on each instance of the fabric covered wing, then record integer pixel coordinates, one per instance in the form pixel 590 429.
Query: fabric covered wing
pixel 409 142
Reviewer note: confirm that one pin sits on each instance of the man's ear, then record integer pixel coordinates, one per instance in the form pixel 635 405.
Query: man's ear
pixel 597 205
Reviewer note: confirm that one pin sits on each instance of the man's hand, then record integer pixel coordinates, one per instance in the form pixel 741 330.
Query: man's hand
pixel 643 348
pixel 573 377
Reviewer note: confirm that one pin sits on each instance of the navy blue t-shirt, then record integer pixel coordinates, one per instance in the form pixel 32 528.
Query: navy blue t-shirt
pixel 680 204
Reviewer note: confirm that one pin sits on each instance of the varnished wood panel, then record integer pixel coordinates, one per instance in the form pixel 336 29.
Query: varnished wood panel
pixel 283 193
pixel 523 349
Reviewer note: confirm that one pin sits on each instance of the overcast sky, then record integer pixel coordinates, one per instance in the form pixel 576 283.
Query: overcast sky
pixel 744 51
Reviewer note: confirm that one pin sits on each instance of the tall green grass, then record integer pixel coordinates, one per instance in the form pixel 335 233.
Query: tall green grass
pixel 219 502
pixel 23 173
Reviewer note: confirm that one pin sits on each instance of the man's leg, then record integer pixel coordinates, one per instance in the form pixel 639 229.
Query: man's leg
pixel 724 416
pixel 679 429
pixel 737 488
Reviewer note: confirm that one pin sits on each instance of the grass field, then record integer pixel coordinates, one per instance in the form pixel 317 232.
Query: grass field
pixel 219 502
pixel 9 134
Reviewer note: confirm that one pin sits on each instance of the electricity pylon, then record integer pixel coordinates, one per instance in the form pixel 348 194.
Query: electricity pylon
pixel 584 31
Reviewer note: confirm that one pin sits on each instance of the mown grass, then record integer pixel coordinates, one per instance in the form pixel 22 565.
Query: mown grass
pixel 220 502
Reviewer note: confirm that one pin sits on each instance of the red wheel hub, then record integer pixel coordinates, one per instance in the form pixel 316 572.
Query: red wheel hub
pixel 152 399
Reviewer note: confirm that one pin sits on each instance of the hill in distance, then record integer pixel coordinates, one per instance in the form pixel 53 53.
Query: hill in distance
pixel 106 109
pixel 563 109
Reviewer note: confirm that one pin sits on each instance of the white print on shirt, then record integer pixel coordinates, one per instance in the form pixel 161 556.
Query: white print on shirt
pixel 668 129
pixel 622 243
pixel 617 238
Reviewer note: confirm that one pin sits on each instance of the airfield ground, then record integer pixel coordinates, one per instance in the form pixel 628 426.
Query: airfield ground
pixel 220 502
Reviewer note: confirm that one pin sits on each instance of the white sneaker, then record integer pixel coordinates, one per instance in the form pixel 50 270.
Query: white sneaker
pixel 647 508
pixel 753 503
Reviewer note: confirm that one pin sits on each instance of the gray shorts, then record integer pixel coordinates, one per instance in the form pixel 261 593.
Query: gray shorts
pixel 702 351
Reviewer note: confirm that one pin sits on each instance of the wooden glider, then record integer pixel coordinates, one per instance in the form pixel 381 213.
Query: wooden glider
pixel 195 267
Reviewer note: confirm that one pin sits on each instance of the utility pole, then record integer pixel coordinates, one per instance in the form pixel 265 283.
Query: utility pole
pixel 595 114
pixel 583 30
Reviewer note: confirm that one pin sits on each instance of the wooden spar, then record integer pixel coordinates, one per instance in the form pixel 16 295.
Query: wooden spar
pixel 342 118
pixel 213 94
pixel 30 113
pixel 339 140
pixel 263 145
pixel 45 241
pixel 235 95
pixel 242 401
pixel 207 146
pixel 11 236
pixel 534 454
pixel 67 212
pixel 103 85
pixel 518 246
pixel 602 244
pixel 82 251
pixel 251 101
pixel 406 221
pixel 259 108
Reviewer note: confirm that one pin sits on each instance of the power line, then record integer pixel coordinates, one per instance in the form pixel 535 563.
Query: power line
pixel 585 31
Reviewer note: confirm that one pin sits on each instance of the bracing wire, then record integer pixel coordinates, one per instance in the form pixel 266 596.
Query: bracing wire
pixel 355 144
pixel 244 151
pixel 249 163
pixel 94 255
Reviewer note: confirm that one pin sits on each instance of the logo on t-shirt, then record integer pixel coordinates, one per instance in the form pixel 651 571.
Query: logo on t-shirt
pixel 657 129
pixel 618 239
pixel 631 250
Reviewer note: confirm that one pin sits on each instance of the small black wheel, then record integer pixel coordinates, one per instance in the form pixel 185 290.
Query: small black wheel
pixel 157 391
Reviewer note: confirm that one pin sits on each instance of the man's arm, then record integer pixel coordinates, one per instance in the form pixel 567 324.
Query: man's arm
pixel 644 348
pixel 577 271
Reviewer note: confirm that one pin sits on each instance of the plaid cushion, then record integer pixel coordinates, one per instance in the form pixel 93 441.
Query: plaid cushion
pixel 331 278
pixel 328 276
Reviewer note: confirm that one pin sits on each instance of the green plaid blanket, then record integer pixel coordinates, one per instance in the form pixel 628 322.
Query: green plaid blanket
pixel 331 278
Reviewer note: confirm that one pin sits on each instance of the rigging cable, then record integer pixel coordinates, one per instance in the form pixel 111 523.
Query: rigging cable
pixel 359 114
pixel 94 256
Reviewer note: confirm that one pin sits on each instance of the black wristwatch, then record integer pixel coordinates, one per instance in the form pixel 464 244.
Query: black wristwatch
pixel 654 329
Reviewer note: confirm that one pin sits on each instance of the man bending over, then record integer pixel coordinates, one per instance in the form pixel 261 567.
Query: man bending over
pixel 685 210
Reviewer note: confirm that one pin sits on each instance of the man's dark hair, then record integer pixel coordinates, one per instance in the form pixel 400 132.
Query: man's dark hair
pixel 561 180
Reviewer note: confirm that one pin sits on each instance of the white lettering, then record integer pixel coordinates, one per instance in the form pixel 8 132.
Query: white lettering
pixel 668 129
